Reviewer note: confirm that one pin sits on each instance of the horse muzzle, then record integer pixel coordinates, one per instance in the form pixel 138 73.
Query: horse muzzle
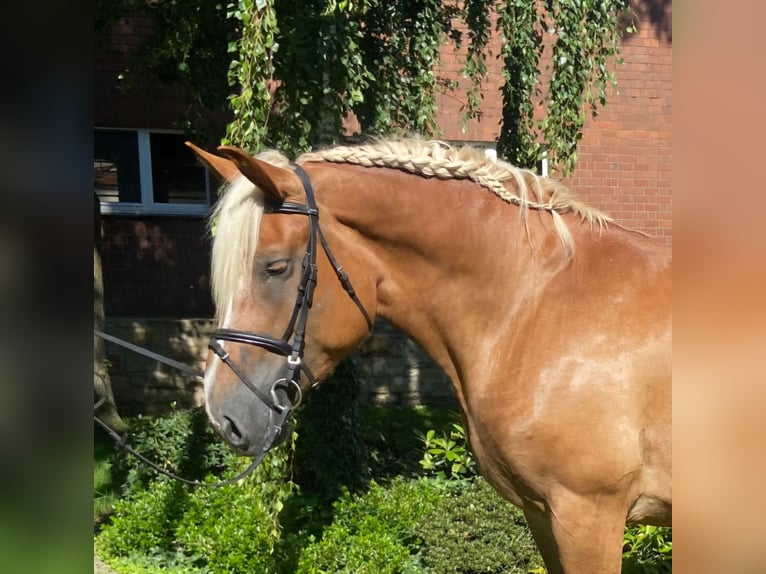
pixel 254 418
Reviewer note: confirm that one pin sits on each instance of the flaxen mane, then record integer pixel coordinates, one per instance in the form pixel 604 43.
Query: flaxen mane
pixel 438 159
pixel 234 224
pixel 237 215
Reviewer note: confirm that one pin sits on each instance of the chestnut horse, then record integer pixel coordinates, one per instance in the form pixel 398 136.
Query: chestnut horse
pixel 552 321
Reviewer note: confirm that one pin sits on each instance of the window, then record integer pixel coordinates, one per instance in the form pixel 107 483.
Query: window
pixel 542 165
pixel 148 172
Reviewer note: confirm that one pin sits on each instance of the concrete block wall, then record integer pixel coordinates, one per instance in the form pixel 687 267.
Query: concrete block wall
pixel 143 385
pixel 393 370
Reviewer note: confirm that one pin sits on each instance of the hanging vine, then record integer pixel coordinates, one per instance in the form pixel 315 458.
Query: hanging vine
pixel 584 34
pixel 298 68
pixel 587 35
pixel 478 24
pixel 251 71
pixel 321 71
pixel 400 49
pixel 520 28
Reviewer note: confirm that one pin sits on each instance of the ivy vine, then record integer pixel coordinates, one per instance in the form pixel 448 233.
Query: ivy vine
pixel 186 48
pixel 478 24
pixel 297 69
pixel 586 35
pixel 378 59
pixel 251 71
pixel 519 24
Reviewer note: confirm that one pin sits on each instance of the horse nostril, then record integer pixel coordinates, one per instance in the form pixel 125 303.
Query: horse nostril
pixel 231 430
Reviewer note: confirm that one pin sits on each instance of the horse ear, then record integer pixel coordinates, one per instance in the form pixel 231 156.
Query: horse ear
pixel 281 183
pixel 221 166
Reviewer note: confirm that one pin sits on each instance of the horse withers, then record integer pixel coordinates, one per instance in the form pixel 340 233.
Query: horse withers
pixel 552 321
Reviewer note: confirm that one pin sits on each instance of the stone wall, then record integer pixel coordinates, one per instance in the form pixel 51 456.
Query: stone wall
pixel 391 369
pixel 142 385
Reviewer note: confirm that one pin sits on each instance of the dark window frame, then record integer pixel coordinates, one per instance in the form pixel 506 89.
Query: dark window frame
pixel 147 204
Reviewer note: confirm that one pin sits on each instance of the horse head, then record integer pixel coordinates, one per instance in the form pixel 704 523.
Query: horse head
pixel 283 319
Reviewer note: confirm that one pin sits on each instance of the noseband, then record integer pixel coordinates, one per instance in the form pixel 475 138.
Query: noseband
pixel 291 344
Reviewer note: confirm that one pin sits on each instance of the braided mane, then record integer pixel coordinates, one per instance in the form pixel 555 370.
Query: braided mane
pixel 438 159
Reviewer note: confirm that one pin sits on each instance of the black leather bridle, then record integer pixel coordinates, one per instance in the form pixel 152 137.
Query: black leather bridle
pixel 292 343
pixel 293 350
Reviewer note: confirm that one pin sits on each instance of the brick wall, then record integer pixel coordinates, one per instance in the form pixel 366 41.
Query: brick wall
pixel 625 160
pixel 125 96
pixel 156 267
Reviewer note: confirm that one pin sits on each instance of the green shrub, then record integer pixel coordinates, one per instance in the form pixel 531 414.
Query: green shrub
pixel 452 522
pixel 235 528
pixel 647 550
pixel 330 452
pixel 154 563
pixel 373 532
pixel 182 442
pixel 104 496
pixel 229 529
pixel 424 525
pixel 474 530
pixel 163 523
pixel 448 456
pixel 146 521
pixel 394 436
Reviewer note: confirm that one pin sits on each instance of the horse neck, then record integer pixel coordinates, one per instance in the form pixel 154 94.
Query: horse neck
pixel 451 258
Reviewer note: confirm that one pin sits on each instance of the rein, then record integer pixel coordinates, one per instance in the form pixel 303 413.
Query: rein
pixel 279 410
pixel 122 441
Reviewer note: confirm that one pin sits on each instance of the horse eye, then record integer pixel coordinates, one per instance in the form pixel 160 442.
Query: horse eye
pixel 278 267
